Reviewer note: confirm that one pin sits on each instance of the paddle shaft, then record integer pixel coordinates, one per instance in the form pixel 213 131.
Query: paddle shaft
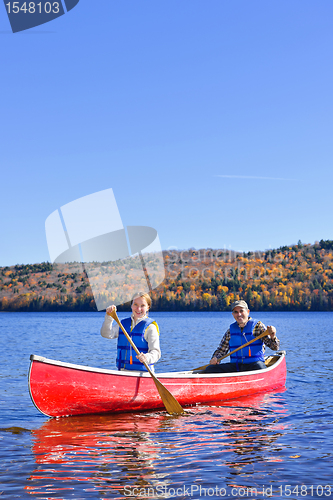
pixel 170 402
pixel 263 334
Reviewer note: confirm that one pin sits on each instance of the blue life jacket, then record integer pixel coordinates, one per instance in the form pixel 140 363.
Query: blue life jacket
pixel 250 354
pixel 126 355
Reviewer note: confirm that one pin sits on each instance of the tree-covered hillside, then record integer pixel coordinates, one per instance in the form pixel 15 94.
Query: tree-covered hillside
pixel 293 278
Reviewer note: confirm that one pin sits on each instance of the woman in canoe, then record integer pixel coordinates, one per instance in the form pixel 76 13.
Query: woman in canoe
pixel 239 333
pixel 143 331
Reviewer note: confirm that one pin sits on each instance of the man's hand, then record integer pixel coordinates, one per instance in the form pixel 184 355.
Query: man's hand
pixel 213 361
pixel 271 331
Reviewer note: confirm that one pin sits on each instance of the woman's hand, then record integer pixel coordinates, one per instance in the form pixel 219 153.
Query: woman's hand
pixel 213 361
pixel 142 357
pixel 110 309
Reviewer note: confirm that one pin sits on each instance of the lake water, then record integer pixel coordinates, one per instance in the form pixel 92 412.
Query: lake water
pixel 269 445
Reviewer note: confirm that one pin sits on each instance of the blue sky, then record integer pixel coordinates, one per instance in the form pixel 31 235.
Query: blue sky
pixel 210 120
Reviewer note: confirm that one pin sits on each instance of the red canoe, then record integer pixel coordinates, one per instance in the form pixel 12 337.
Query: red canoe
pixel 60 389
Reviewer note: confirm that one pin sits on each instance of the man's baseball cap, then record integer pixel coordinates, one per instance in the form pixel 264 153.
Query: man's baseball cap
pixel 239 303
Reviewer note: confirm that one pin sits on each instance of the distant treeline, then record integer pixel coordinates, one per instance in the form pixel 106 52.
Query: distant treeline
pixel 290 278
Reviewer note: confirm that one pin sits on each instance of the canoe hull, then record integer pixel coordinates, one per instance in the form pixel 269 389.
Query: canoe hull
pixel 61 389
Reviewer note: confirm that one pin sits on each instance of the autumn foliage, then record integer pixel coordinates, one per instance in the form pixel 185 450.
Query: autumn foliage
pixel 290 278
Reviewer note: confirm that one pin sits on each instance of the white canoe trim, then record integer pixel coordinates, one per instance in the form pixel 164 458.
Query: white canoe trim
pixel 178 375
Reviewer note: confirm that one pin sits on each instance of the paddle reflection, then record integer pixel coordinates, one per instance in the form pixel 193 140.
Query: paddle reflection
pixel 109 453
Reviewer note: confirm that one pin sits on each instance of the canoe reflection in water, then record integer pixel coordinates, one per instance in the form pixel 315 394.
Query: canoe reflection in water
pixel 112 453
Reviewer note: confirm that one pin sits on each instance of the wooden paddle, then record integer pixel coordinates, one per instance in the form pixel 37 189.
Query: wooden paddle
pixel 263 334
pixel 171 404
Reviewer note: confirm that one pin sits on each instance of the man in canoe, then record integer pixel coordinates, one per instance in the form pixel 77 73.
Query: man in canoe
pixel 143 331
pixel 239 333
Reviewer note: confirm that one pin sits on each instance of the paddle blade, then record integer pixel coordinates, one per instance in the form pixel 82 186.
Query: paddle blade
pixel 171 404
